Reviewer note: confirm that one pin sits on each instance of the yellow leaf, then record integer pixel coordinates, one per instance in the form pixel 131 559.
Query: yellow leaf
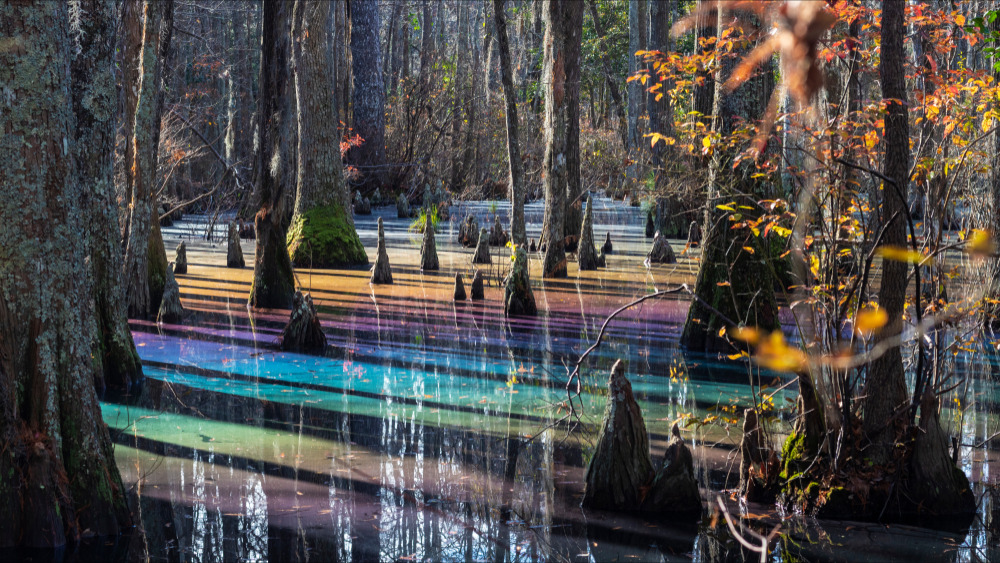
pixel 774 353
pixel 959 20
pixel 722 332
pixel 987 122
pixel 870 319
pixel 748 249
pixel 980 243
pixel 706 142
pixel 871 138
pixel 900 254
pixel 737 356
pixel 747 334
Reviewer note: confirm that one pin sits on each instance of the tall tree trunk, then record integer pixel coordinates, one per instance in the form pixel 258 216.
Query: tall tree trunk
pixel 516 165
pixel 322 232
pixel 992 315
pixel 368 95
pixel 660 111
pixel 704 87
pixel 459 109
pixel 156 265
pixel 561 71
pixel 58 467
pixel 637 21
pixel 746 293
pixel 141 209
pixel 609 77
pixel 94 106
pixel 427 42
pixel 273 282
pixel 886 383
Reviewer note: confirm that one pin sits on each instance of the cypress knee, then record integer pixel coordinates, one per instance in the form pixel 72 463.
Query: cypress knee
pixel 477 286
pixel 518 299
pixel 459 287
pixel 303 332
pixel 381 272
pixel 181 259
pixel 234 255
pixel 587 258
pixel 674 490
pixel 621 465
pixel 662 252
pixel 171 310
pixel 607 244
pixel 428 250
pixel 482 255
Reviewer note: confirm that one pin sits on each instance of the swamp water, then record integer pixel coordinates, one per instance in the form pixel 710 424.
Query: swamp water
pixel 424 433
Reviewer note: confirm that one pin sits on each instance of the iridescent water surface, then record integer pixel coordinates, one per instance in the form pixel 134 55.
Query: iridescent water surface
pixel 426 431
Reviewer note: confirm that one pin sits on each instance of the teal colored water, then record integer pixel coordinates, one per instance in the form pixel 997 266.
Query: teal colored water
pixel 427 432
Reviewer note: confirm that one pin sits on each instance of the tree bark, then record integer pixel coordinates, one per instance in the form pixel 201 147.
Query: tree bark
pixel 660 111
pixel 368 95
pixel 273 284
pixel 59 473
pixel 637 22
pixel 141 208
pixel 322 231
pixel 563 30
pixel 516 165
pixel 886 383
pixel 94 106
pixel 747 291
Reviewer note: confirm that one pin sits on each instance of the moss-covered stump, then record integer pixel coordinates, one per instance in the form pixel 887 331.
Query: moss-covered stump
pixel 234 253
pixel 460 294
pixel 403 210
pixel 621 466
pixel 303 332
pixel 324 237
pixel 586 256
pixel 468 232
pixel 498 236
pixel 482 255
pixel 477 286
pixel 675 489
pixel 661 252
pixel 428 252
pixel 650 225
pixel 759 465
pixel 607 248
pixel 181 259
pixel 694 234
pixel 171 310
pixel 518 299
pixel 381 271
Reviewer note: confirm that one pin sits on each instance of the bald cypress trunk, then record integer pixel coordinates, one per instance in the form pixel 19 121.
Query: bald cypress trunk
pixel 561 71
pixel 117 364
pixel 886 382
pixel 273 283
pixel 368 95
pixel 731 279
pixel 141 189
pixel 516 165
pixel 59 474
pixel 322 233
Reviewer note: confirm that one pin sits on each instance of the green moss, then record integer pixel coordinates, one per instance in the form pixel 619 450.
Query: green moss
pixel 323 237
pixel 792 454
